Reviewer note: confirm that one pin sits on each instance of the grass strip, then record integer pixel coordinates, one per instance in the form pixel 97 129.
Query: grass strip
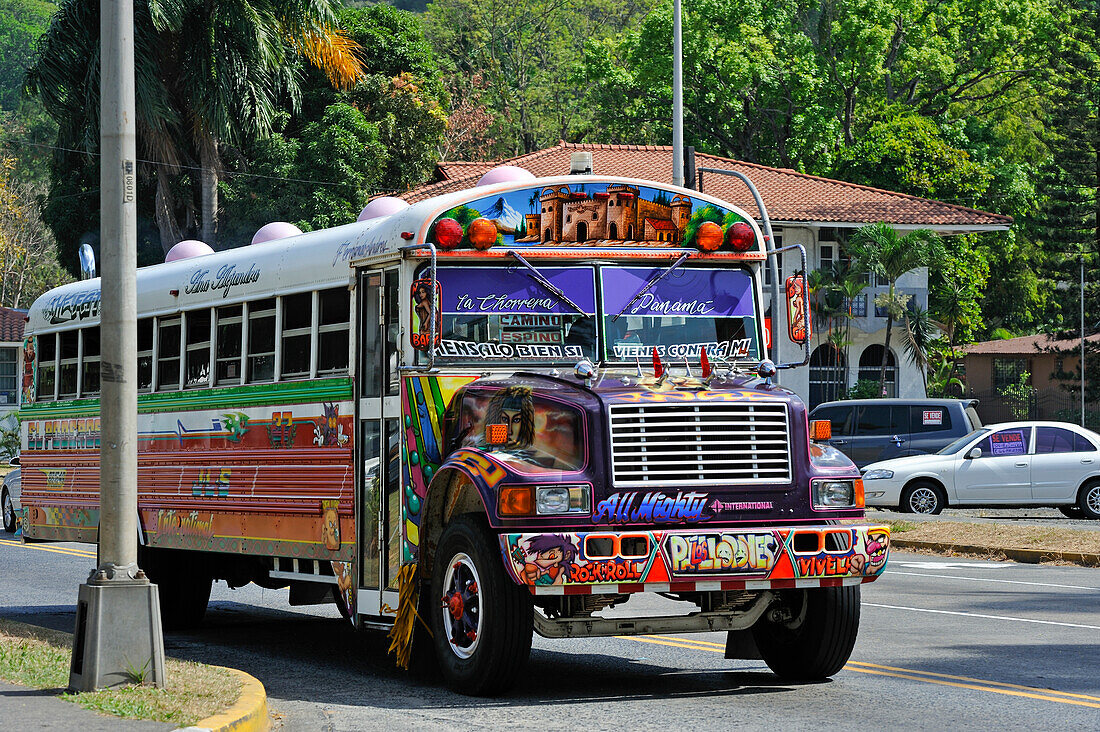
pixel 39 658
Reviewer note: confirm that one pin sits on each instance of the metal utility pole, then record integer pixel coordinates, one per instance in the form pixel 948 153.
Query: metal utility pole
pixel 677 98
pixel 118 638
pixel 1081 260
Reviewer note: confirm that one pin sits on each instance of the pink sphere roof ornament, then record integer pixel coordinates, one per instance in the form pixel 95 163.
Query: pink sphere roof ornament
pixel 505 174
pixel 275 230
pixel 382 206
pixel 186 249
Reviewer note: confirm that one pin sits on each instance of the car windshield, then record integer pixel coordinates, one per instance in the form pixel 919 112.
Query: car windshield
pixel 678 315
pixel 961 442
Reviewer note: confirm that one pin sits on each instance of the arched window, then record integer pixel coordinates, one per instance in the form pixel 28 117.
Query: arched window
pixel 870 368
pixel 613 231
pixel 826 375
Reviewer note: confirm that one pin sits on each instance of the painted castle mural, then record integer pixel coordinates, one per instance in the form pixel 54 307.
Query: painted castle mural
pixel 596 214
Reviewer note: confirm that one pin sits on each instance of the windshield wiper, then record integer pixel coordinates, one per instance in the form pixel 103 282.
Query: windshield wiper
pixel 652 281
pixel 541 279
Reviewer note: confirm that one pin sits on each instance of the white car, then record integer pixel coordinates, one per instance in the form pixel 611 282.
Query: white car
pixel 1009 464
pixel 9 499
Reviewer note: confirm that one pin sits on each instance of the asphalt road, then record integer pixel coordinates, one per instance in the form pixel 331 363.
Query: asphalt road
pixel 944 644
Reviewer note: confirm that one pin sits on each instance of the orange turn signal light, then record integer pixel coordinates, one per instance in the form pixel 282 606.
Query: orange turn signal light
pixel 496 434
pixel 857 490
pixel 821 429
pixel 517 500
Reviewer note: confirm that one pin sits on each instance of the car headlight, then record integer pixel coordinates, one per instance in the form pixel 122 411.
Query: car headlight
pixel 837 493
pixel 878 474
pixel 562 499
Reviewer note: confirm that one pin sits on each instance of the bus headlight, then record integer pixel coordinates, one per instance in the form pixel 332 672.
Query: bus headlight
pixel 560 499
pixel 837 493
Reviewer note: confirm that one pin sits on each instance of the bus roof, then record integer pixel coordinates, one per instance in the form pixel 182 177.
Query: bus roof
pixel 565 211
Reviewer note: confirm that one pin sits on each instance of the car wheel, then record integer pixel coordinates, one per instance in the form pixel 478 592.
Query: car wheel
pixel 1089 501
pixel 923 498
pixel 1073 512
pixel 9 513
pixel 482 620
pixel 815 634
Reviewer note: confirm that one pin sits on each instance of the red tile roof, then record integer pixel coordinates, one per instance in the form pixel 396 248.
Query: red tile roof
pixel 11 325
pixel 1027 345
pixel 790 196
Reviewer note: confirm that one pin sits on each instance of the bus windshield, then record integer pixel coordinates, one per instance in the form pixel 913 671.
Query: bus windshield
pixel 679 314
pixel 503 314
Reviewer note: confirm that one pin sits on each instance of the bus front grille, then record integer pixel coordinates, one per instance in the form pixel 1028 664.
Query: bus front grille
pixel 702 444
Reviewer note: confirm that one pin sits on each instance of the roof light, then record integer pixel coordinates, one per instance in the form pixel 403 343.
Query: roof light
pixel 448 233
pixel 740 236
pixel 708 236
pixel 482 232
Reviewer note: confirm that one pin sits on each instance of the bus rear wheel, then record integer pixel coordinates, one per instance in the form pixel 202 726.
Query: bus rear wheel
pixel 809 634
pixel 481 620
pixel 183 584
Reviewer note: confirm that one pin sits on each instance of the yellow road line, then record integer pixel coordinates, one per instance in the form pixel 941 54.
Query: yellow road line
pixel 962 682
pixel 55 550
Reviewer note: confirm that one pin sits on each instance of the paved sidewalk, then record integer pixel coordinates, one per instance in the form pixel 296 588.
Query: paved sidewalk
pixel 40 709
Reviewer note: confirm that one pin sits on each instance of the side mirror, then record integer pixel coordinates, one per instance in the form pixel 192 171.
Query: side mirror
pixel 975 452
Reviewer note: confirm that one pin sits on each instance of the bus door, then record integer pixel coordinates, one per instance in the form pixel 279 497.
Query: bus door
pixel 378 508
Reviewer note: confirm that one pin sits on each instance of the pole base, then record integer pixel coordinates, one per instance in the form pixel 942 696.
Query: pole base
pixel 118 638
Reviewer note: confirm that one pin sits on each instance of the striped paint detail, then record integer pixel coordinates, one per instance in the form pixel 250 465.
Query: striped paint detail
pixel 701 586
pixel 253 395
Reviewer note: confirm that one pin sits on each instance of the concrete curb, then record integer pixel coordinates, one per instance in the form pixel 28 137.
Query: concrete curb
pixel 249 714
pixel 1025 556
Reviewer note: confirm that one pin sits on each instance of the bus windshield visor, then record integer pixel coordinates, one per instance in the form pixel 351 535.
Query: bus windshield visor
pixel 679 315
pixel 505 314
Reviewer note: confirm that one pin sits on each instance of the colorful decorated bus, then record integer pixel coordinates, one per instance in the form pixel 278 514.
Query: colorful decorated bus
pixel 501 410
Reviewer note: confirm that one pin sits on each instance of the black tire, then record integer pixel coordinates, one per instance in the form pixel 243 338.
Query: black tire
pixel 1088 500
pixel 9 512
pixel 817 640
pixel 183 584
pixel 922 497
pixel 1073 512
pixel 468 578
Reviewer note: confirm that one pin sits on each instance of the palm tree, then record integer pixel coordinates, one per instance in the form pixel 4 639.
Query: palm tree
pixel 877 248
pixel 209 74
pixel 920 333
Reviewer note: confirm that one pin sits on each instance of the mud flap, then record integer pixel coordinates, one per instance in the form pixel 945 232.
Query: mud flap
pixel 741 644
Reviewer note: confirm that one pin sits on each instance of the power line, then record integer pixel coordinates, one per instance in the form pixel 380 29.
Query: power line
pixel 200 168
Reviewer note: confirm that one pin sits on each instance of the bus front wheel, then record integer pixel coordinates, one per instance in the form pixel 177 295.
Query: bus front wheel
pixel 481 620
pixel 809 634
pixel 183 583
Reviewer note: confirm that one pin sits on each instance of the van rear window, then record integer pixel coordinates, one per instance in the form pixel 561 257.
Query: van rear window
pixel 929 419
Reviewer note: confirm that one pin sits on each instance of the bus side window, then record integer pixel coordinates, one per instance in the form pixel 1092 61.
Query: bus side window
pixel 229 341
pixel 89 379
pixel 297 328
pixel 332 330
pixel 69 348
pixel 145 354
pixel 168 352
pixel 47 366
pixel 197 372
pixel 261 340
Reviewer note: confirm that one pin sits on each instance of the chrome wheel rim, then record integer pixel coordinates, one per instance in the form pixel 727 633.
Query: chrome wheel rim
pixel 1092 499
pixel 9 511
pixel 461 605
pixel 923 500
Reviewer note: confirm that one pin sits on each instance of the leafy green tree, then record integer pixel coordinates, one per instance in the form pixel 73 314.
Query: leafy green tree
pixel 879 249
pixel 21 23
pixel 209 77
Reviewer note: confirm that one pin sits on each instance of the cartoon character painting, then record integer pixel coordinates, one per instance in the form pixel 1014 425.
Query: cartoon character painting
pixel 514 408
pixel 553 554
pixel 330 525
